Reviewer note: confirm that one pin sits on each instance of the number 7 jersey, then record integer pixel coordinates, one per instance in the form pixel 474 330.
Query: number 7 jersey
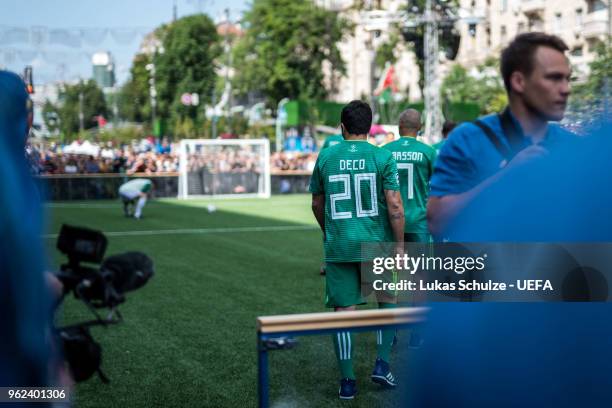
pixel 415 162
pixel 353 176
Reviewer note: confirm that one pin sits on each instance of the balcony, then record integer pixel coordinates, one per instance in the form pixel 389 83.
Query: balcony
pixel 595 24
pixel 531 7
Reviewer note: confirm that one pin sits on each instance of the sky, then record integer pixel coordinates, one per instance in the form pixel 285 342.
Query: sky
pixel 120 26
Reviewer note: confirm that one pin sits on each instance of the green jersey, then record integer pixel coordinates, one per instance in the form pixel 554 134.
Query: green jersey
pixel 415 161
pixel 438 146
pixel 353 176
pixel 332 140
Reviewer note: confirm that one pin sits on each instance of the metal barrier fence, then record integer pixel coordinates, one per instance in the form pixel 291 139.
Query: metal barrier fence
pixel 65 187
pixel 290 182
pixel 99 186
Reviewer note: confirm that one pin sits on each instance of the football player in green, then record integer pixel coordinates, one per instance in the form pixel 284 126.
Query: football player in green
pixel 330 140
pixel 415 162
pixel 356 199
pixel 134 193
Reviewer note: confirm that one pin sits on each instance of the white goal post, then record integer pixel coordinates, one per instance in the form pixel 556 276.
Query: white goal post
pixel 224 168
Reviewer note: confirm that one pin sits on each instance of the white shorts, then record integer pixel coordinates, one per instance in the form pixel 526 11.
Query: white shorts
pixel 129 195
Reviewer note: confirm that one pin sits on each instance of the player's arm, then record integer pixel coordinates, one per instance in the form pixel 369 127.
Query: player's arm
pixel 395 212
pixel 395 207
pixel 318 209
pixel 318 194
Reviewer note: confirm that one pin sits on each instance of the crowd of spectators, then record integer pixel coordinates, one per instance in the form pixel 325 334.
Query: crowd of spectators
pixel 226 159
pixel 282 161
pixel 141 157
pixel 148 157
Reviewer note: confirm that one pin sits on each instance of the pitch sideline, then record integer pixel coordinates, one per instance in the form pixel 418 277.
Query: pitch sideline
pixel 198 204
pixel 180 231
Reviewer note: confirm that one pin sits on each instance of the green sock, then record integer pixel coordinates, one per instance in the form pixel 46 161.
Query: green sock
pixel 343 346
pixel 384 338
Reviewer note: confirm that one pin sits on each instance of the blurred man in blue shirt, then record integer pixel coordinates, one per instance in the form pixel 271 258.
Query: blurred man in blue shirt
pixel 536 75
pixel 25 307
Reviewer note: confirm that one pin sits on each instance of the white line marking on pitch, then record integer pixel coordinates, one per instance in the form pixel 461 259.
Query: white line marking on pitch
pixel 202 231
pixel 203 205
pixel 81 205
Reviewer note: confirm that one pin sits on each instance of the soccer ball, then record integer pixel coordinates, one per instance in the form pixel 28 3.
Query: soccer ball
pixel 211 208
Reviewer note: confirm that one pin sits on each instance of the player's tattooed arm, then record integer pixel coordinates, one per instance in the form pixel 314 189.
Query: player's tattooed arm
pixel 318 209
pixel 395 212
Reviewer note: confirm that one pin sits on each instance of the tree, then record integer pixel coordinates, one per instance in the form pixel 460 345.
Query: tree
pixel 588 97
pixel 66 111
pixel 50 116
pixel 186 65
pixel 386 52
pixel 285 48
pixel 483 86
pixel 184 62
pixel 134 102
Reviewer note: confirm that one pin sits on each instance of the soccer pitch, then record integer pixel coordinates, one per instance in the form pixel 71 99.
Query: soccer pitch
pixel 189 336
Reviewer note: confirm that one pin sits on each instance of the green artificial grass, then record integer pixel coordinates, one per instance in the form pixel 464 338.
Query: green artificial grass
pixel 189 336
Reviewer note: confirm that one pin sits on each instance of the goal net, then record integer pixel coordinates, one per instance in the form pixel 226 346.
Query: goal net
pixel 224 168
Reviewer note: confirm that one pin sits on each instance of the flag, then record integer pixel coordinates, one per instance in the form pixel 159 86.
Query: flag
pixel 386 83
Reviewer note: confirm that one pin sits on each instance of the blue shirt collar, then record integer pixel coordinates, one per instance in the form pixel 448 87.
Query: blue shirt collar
pixel 520 133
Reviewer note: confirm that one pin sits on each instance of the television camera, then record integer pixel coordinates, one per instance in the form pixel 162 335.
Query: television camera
pixel 98 287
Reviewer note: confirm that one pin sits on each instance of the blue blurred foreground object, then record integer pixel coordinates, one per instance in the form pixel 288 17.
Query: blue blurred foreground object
pixel 25 310
pixel 566 196
pixel 468 157
pixel 528 354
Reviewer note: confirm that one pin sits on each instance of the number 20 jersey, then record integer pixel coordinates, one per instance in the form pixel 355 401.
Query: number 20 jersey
pixel 353 176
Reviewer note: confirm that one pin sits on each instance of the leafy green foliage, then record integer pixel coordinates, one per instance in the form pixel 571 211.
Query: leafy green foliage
pixel 386 51
pixel 121 135
pixel 134 102
pixel 284 48
pixel 64 115
pixel 588 97
pixel 50 116
pixel 482 87
pixel 184 63
pixel 187 65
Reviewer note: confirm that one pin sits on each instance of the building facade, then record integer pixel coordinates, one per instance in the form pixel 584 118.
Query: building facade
pixel 580 23
pixel 358 49
pixel 103 69
pixel 486 26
